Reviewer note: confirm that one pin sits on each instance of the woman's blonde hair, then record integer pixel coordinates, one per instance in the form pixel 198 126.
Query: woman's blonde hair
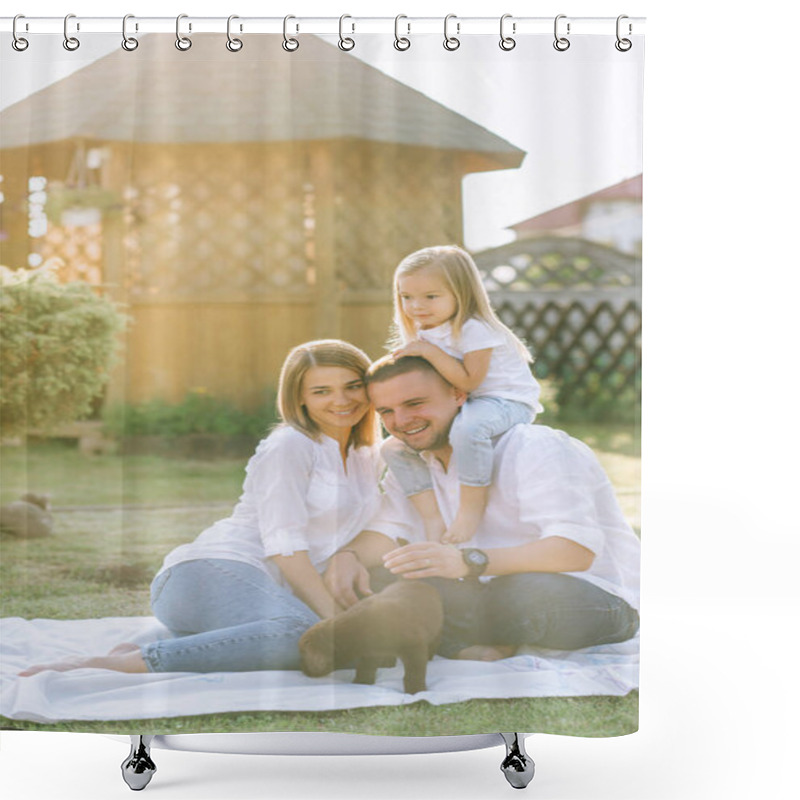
pixel 457 269
pixel 322 353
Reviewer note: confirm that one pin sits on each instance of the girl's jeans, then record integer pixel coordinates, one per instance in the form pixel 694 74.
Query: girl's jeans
pixel 227 616
pixel 480 419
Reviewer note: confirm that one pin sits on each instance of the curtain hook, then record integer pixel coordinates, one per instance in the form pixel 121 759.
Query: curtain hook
pixel 129 43
pixel 451 42
pixel 623 45
pixel 182 42
pixel 290 44
pixel 70 42
pixel 18 42
pixel 561 43
pixel 233 44
pixel 346 43
pixel 401 42
pixel 507 42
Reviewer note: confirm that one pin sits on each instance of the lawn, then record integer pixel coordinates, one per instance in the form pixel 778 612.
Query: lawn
pixel 116 518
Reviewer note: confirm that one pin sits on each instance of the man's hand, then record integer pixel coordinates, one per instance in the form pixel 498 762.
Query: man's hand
pixel 426 560
pixel 347 579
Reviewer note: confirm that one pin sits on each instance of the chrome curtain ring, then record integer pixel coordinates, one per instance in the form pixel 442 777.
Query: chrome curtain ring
pixel 623 45
pixel 182 42
pixel 129 43
pixel 561 43
pixel 451 42
pixel 507 42
pixel 18 42
pixel 70 42
pixel 345 42
pixel 290 44
pixel 233 44
pixel 401 42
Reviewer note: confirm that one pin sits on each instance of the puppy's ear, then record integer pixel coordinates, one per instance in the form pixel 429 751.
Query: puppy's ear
pixel 316 650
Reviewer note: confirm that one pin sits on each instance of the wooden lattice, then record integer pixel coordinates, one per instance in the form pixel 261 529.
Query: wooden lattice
pixel 577 305
pixel 78 248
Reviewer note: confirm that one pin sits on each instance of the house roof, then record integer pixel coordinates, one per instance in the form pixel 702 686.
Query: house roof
pixel 572 213
pixel 259 94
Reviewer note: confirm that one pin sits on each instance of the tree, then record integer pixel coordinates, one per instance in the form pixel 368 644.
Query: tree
pixel 57 343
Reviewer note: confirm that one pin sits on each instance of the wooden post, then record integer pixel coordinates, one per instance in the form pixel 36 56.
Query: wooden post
pixel 327 303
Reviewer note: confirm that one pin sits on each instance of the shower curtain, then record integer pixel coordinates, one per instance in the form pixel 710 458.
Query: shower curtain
pixel 179 214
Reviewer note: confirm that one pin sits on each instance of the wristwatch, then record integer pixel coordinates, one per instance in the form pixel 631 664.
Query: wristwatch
pixel 476 561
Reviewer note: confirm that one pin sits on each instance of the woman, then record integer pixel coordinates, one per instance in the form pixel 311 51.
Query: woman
pixel 240 596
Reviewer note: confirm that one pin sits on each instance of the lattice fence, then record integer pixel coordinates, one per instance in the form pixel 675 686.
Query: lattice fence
pixel 577 304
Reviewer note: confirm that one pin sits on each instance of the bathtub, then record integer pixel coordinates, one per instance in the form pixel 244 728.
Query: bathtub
pixel 139 767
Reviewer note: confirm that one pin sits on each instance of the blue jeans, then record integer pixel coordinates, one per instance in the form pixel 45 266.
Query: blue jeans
pixel 480 419
pixel 227 616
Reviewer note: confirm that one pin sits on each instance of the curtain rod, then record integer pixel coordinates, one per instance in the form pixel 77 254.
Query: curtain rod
pixel 406 25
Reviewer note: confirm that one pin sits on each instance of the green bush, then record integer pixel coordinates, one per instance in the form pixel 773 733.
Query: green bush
pixel 199 412
pixel 56 347
pixel 594 400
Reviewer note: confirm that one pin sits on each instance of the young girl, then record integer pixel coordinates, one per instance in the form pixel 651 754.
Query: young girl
pixel 442 313
pixel 240 596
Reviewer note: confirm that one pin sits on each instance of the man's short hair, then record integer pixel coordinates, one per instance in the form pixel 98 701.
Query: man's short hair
pixel 389 367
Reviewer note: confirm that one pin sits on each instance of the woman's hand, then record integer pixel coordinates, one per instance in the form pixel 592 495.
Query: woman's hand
pixel 346 578
pixel 426 560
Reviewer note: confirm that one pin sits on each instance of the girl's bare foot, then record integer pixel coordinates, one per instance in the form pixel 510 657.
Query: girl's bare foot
pixel 480 652
pixel 130 661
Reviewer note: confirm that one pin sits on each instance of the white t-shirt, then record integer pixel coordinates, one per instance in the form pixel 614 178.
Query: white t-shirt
pixel 296 496
pixel 544 483
pixel 509 375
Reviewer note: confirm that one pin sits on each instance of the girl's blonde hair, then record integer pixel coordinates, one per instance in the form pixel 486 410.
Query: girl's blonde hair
pixel 322 353
pixel 457 269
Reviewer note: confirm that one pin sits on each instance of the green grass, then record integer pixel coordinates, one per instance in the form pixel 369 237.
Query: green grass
pixel 115 520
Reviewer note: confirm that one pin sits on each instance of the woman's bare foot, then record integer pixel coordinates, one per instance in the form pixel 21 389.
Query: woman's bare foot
pixel 480 652
pixel 124 647
pixel 130 661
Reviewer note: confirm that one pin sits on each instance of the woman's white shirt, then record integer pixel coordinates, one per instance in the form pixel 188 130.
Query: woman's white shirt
pixel 297 496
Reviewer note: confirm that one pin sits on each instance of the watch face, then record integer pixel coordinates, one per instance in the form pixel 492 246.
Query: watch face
pixel 475 559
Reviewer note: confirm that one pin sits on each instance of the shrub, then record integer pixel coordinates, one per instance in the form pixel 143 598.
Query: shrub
pixel 56 347
pixel 199 412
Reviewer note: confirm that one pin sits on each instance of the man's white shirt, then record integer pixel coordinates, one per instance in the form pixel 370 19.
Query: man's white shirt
pixel 544 484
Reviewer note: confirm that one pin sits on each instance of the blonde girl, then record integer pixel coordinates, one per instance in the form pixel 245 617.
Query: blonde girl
pixel 240 596
pixel 442 314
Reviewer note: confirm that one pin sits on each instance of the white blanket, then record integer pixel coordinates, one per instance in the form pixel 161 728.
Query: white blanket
pixel 94 694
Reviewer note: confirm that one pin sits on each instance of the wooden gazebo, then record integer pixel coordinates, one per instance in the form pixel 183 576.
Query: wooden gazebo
pixel 236 203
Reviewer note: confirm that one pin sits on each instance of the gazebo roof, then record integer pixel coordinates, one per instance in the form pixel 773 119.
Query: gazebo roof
pixel 260 94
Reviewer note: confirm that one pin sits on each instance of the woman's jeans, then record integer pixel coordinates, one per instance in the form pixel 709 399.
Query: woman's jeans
pixel 227 616
pixel 540 609
pixel 476 424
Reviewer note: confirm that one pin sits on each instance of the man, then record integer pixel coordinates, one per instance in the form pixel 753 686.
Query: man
pixel 553 564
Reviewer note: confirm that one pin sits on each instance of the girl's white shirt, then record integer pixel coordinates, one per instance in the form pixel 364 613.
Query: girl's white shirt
pixel 509 376
pixel 297 496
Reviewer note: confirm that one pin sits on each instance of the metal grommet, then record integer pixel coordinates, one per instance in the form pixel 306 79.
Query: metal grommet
pixel 183 43
pixel 507 42
pixel 561 43
pixel 623 45
pixel 19 43
pixel 345 42
pixel 129 43
pixel 451 42
pixel 233 44
pixel 401 43
pixel 290 44
pixel 70 42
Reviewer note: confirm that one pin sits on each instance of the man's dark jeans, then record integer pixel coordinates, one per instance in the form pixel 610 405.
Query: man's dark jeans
pixel 542 609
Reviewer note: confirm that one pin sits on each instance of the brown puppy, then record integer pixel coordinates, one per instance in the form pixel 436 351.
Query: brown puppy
pixel 404 620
